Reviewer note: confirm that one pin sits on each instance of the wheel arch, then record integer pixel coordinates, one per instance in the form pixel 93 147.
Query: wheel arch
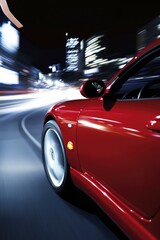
pixel 72 155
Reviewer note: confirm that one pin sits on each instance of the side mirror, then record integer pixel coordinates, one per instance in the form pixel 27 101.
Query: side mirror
pixel 93 88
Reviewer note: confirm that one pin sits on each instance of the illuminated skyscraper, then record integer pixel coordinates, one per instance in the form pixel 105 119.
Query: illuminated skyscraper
pixel 72 52
pixel 95 51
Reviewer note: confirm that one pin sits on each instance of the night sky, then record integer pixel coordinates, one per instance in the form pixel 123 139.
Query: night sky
pixel 46 22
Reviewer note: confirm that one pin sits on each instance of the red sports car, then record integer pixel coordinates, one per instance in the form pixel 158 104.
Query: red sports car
pixel 108 144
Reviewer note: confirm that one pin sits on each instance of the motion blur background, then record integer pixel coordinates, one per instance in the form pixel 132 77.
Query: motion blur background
pixel 59 46
pixel 67 43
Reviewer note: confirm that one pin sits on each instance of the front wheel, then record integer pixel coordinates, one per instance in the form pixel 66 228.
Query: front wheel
pixel 54 158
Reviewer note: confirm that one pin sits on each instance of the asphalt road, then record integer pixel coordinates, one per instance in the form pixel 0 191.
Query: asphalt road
pixel 29 208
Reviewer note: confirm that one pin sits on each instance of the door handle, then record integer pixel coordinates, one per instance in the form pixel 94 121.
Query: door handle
pixel 154 124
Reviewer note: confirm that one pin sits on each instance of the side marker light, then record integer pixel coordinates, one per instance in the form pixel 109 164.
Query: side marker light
pixel 70 145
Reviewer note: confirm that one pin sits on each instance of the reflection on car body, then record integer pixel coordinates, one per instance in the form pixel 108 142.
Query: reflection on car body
pixel 113 152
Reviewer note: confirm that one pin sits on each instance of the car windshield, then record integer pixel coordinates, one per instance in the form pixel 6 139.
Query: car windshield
pixel 148 75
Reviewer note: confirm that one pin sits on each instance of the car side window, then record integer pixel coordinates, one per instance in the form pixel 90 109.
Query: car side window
pixel 144 83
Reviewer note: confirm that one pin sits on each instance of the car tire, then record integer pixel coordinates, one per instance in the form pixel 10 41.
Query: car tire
pixel 54 158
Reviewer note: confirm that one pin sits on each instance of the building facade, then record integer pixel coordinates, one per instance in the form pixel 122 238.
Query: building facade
pixel 148 33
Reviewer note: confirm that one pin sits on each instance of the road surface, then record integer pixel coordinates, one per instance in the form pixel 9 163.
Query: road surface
pixel 29 208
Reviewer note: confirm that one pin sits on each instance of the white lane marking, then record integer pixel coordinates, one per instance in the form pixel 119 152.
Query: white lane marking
pixel 28 133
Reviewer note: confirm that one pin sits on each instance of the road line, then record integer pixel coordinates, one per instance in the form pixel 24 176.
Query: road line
pixel 28 133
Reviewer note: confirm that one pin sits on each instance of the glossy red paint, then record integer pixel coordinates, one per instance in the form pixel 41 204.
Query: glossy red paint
pixel 116 157
pixel 66 116
pixel 129 221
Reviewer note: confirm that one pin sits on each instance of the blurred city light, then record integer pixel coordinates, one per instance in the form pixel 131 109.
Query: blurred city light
pixel 9 37
pixel 8 76
pixel 38 99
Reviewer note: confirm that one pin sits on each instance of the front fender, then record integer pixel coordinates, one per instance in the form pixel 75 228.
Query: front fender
pixel 66 115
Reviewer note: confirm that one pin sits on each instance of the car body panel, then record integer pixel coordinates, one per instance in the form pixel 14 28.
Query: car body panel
pixel 66 115
pixel 115 157
pixel 129 191
pixel 131 223
pixel 123 154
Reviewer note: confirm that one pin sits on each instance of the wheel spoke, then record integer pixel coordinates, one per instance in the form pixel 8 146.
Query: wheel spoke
pixel 54 157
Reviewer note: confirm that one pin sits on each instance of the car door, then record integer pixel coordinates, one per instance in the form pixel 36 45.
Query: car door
pixel 118 143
